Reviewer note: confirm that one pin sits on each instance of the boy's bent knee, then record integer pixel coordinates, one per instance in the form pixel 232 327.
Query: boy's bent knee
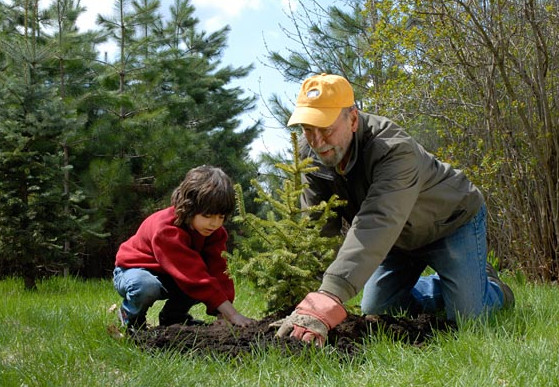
pixel 146 291
pixel 141 286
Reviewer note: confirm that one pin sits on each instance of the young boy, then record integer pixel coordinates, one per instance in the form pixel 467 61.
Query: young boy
pixel 176 255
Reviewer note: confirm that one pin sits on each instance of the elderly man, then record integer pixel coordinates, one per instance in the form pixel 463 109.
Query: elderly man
pixel 406 211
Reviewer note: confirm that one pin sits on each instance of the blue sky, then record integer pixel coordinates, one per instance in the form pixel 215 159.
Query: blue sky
pixel 255 25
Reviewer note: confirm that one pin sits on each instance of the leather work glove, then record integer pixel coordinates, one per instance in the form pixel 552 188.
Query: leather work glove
pixel 313 318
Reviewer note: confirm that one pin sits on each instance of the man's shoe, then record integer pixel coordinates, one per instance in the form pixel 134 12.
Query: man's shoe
pixel 493 276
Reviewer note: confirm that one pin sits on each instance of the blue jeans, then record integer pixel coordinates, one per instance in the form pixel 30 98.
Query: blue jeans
pixel 460 287
pixel 140 288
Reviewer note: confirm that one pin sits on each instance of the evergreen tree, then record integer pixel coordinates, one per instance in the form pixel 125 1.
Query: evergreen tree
pixel 32 120
pixel 70 73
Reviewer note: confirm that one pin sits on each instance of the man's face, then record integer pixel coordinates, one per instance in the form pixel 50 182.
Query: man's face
pixel 331 144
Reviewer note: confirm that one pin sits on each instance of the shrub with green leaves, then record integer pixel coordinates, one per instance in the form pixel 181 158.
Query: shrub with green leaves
pixel 283 253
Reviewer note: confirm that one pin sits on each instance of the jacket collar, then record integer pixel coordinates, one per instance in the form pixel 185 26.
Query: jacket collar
pixel 354 146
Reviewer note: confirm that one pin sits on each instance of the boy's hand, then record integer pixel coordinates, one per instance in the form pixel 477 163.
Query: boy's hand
pixel 220 320
pixel 229 313
pixel 241 321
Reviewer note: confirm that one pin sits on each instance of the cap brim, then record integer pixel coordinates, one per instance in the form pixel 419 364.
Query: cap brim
pixel 320 118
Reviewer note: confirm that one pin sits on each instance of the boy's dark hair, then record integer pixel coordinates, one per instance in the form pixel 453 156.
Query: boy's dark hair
pixel 204 190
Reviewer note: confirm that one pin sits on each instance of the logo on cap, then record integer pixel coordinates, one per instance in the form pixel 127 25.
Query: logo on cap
pixel 313 93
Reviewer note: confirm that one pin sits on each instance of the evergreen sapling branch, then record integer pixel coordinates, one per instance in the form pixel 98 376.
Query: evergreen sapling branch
pixel 283 253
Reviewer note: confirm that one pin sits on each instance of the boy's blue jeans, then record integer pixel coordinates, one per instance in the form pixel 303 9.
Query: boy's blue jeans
pixel 460 286
pixel 140 288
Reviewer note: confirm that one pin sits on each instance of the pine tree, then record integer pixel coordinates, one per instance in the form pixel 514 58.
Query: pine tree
pixel 32 120
pixel 45 64
pixel 284 253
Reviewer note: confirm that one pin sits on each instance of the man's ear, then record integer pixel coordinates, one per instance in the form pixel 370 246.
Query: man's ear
pixel 354 117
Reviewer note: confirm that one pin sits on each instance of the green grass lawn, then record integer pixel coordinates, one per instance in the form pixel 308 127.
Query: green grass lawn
pixel 57 336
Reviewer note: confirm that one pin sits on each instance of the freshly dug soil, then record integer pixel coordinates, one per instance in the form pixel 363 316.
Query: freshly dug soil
pixel 233 341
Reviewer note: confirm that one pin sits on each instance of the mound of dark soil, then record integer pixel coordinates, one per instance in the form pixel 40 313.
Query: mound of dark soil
pixel 232 341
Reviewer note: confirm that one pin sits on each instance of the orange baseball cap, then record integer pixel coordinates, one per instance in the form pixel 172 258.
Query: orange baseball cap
pixel 321 100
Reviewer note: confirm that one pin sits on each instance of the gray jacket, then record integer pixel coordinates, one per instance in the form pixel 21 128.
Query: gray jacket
pixel 398 194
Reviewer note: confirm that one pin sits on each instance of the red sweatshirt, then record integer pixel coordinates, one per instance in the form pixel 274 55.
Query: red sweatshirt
pixel 194 261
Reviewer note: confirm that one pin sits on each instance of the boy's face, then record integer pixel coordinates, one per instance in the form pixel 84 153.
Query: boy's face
pixel 206 224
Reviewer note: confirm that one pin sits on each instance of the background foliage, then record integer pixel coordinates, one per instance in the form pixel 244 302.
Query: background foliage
pixel 91 145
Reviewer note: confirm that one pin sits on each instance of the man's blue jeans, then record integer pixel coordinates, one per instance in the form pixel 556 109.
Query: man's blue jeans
pixel 460 287
pixel 140 288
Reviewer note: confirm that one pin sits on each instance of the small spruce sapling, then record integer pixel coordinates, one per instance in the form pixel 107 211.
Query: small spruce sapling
pixel 283 253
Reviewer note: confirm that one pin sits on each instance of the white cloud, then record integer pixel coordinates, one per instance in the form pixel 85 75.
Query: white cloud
pixel 215 14
pixel 230 8
pixel 86 21
pixel 214 23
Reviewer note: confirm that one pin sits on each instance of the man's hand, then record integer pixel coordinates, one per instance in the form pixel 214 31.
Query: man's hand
pixel 313 318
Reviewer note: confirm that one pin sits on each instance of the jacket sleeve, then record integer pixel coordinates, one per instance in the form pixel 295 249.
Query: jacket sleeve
pixel 381 217
pixel 217 265
pixel 188 268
